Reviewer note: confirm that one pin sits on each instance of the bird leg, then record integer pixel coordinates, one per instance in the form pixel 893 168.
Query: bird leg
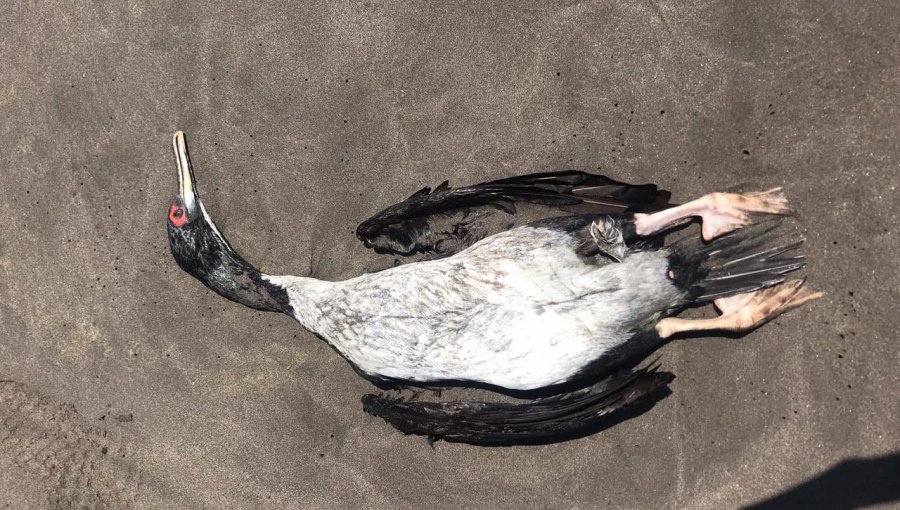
pixel 720 212
pixel 744 312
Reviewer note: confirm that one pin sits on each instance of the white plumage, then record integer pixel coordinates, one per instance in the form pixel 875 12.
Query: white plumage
pixel 519 309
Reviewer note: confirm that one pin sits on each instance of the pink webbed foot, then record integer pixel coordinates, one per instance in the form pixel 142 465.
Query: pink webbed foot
pixel 744 312
pixel 720 213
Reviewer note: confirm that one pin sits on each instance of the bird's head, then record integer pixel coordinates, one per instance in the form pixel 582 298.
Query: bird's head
pixel 202 251
pixel 194 240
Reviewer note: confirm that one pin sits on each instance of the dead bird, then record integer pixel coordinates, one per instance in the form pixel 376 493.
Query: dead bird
pixel 531 307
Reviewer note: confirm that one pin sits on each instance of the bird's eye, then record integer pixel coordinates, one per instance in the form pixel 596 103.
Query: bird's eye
pixel 177 215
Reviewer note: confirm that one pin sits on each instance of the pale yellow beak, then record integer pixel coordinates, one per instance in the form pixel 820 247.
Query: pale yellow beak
pixel 185 171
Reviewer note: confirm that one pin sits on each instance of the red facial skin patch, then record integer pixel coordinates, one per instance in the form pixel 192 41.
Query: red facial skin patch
pixel 177 215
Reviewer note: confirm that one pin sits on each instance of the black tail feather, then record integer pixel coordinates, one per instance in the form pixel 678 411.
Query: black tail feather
pixel 746 260
pixel 543 420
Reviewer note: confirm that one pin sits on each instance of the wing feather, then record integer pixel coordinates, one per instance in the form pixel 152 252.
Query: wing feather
pixel 549 419
pixel 446 220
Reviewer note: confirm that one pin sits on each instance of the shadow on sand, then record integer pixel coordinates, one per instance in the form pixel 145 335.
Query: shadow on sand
pixel 853 483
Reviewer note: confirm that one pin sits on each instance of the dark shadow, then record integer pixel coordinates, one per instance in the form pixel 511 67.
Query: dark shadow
pixel 853 483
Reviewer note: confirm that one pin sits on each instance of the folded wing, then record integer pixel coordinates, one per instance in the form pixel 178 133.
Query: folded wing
pixel 446 220
pixel 555 418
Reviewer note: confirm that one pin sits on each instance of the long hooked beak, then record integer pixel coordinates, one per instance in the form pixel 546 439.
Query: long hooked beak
pixel 186 181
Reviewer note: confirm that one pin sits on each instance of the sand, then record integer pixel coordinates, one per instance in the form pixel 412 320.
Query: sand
pixel 129 385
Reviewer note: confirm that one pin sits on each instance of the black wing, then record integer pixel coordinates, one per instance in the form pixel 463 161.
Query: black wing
pixel 550 419
pixel 446 220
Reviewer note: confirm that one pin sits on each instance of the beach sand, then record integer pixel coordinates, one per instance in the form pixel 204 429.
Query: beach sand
pixel 128 385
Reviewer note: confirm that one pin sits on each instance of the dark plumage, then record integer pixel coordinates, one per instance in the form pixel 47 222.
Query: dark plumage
pixel 561 416
pixel 446 220
pixel 210 259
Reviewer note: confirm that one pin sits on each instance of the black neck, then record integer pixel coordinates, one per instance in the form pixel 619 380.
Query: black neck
pixel 206 255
